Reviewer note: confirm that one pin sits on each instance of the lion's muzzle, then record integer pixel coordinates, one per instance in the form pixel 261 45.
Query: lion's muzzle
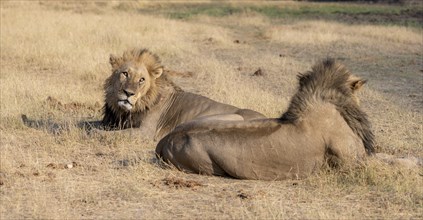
pixel 125 104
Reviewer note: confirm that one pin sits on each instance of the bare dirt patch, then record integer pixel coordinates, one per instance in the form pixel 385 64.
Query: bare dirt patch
pixel 180 183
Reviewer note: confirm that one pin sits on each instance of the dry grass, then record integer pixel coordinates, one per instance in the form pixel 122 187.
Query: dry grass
pixel 61 50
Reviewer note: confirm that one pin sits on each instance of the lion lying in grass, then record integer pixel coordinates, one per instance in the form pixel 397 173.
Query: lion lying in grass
pixel 324 124
pixel 139 95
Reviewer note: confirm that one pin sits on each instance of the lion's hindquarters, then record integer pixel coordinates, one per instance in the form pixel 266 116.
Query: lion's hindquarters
pixel 245 154
pixel 187 154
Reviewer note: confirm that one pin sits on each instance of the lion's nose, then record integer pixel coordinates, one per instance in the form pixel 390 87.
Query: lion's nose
pixel 128 93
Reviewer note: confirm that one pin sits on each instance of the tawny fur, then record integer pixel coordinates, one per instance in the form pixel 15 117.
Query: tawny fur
pixel 323 124
pixel 139 94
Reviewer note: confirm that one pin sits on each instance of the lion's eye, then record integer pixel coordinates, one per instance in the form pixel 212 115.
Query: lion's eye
pixel 142 79
pixel 125 74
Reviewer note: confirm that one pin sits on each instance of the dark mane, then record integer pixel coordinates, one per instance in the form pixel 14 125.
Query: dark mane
pixel 329 81
pixel 113 116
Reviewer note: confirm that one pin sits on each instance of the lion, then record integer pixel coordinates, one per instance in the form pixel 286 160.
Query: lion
pixel 138 94
pixel 323 125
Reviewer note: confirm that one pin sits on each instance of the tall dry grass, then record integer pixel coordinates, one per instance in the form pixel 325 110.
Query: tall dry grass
pixel 60 50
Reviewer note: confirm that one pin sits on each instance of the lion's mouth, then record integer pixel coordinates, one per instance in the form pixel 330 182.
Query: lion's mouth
pixel 125 104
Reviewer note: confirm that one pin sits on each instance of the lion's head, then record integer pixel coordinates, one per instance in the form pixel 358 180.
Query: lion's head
pixel 132 85
pixel 334 83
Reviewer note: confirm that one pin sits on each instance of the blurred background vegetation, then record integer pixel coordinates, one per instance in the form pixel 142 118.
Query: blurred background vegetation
pixel 384 12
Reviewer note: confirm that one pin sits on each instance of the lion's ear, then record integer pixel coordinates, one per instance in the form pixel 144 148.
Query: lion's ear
pixel 156 73
pixel 356 83
pixel 114 61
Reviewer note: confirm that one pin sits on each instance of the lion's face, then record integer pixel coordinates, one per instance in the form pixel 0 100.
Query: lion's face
pixel 133 82
pixel 127 89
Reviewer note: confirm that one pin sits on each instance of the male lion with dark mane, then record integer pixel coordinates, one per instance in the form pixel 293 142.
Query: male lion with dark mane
pixel 323 124
pixel 139 94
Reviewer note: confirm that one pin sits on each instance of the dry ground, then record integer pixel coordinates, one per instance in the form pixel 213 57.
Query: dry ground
pixel 60 50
